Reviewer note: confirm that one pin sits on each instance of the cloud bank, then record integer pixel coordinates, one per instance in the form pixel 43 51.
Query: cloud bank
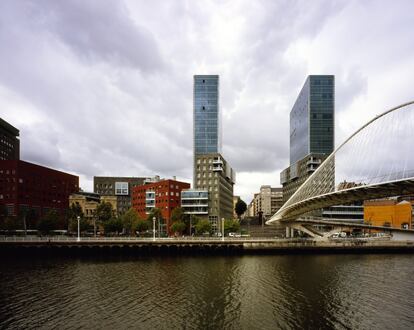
pixel 105 87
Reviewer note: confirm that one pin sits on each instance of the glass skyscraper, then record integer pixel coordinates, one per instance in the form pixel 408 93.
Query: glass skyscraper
pixel 311 131
pixel 207 132
pixel 312 118
pixel 213 175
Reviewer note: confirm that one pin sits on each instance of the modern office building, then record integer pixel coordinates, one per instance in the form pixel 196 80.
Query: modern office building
pixel 207 117
pixel 311 131
pixel 212 173
pixel 121 187
pixel 29 187
pixel 195 202
pixel 163 194
pixel 9 141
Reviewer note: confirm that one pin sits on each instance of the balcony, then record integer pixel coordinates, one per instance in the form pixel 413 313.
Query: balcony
pixel 194 205
pixel 217 161
pixel 314 161
pixel 217 168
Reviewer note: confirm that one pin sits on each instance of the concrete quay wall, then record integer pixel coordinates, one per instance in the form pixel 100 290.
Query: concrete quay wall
pixel 203 247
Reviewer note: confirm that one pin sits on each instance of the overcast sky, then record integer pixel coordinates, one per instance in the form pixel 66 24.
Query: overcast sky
pixel 105 87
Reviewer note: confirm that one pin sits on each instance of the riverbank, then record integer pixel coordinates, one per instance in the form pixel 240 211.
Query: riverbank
pixel 185 246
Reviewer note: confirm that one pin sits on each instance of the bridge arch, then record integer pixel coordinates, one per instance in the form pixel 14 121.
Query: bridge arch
pixel 374 162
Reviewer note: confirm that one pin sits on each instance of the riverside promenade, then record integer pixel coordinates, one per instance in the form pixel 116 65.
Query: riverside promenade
pixel 195 245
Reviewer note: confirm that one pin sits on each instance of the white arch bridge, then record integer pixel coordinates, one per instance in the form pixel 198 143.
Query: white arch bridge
pixel 377 161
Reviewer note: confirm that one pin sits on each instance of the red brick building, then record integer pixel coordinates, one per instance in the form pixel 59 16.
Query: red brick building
pixel 164 194
pixel 26 186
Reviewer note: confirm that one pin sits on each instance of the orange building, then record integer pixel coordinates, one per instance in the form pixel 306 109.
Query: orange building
pixel 389 213
pixel 163 194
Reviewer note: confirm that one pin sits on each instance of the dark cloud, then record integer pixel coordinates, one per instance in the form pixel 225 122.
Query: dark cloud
pixel 105 87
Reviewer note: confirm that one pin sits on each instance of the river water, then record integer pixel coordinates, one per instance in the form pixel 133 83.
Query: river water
pixel 233 292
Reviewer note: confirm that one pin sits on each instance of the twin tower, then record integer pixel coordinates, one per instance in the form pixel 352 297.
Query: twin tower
pixel 212 173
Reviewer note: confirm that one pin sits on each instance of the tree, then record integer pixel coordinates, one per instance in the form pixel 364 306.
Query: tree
pixel 231 226
pixel 113 225
pixel 202 227
pixel 9 223
pixel 178 227
pixel 48 222
pixel 83 225
pixel 129 219
pixel 155 212
pixel 191 221
pixel 3 212
pixel 75 211
pixel 240 208
pixel 104 212
pixel 141 226
pixel 177 214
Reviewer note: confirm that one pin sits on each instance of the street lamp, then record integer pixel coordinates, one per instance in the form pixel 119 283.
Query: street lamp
pixel 222 228
pixel 153 228
pixel 78 217
pixel 191 222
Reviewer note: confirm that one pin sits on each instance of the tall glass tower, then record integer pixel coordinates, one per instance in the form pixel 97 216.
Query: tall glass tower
pixel 213 175
pixel 207 130
pixel 311 131
pixel 312 118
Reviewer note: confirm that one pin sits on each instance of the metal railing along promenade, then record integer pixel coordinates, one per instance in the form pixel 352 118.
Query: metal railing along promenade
pixel 127 239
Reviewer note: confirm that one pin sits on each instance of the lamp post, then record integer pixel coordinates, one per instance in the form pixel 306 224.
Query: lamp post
pixel 78 217
pixel 222 229
pixel 153 228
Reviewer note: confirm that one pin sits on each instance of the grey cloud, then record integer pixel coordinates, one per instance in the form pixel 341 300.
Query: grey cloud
pixel 94 30
pixel 113 80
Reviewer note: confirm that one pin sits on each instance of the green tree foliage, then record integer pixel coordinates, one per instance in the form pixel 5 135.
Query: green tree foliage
pixel 113 225
pixel 141 226
pixel 129 220
pixel 9 223
pixel 177 214
pixel 3 212
pixel 74 211
pixel 104 212
pixel 231 226
pixel 202 226
pixel 48 222
pixel 178 227
pixel 155 212
pixel 240 208
pixel 30 217
pixel 84 225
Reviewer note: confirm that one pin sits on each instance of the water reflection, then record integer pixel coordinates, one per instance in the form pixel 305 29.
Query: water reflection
pixel 248 292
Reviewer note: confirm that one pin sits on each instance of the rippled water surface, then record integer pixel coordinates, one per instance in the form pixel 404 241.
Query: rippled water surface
pixel 236 292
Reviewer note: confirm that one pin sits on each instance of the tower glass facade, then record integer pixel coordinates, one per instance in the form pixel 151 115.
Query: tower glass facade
pixel 312 118
pixel 311 131
pixel 212 174
pixel 207 137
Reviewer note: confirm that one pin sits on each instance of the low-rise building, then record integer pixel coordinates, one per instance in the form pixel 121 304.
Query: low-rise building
pixel 28 187
pixel 388 213
pixel 9 141
pixel 214 174
pixel 267 202
pixel 120 187
pixel 164 194
pixel 90 201
pixel 195 202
